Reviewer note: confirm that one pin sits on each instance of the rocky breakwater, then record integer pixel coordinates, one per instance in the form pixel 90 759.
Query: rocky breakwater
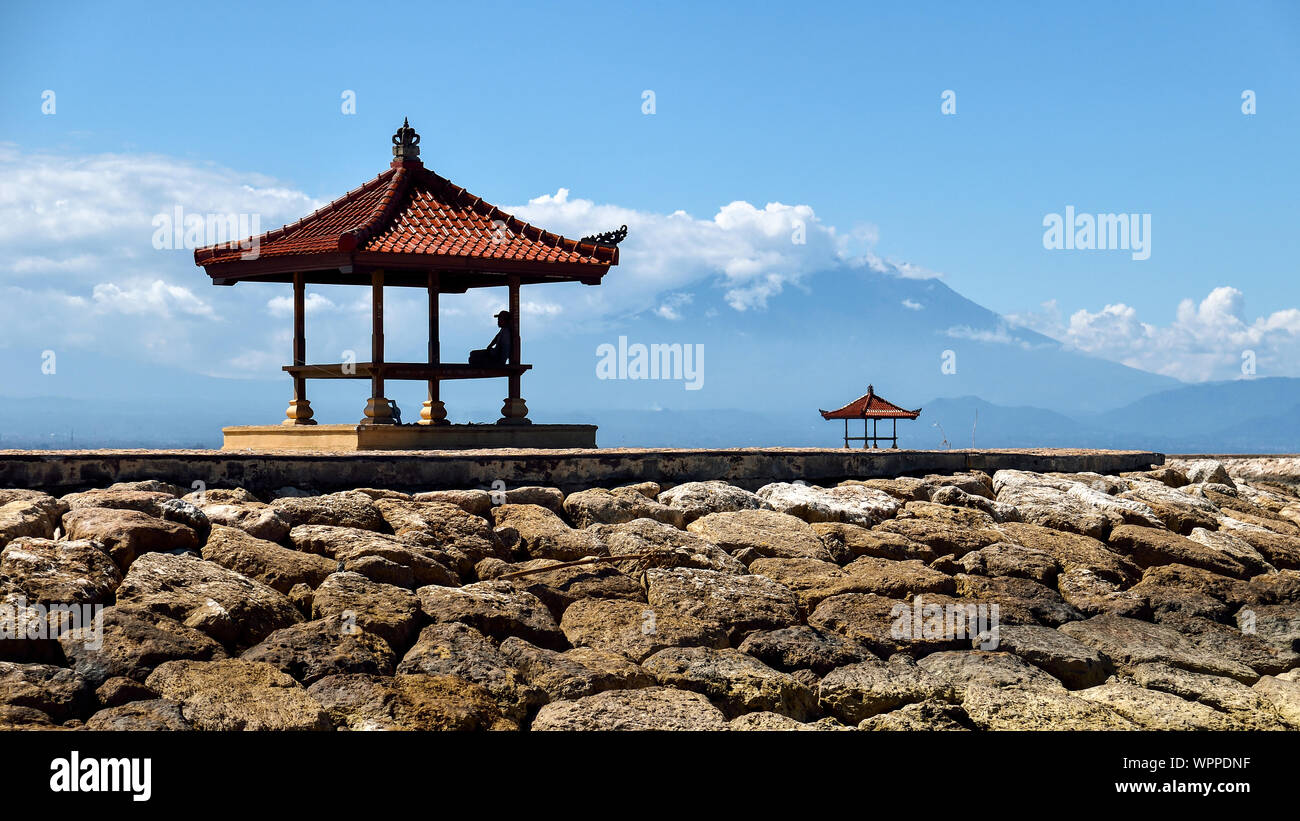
pixel 1167 599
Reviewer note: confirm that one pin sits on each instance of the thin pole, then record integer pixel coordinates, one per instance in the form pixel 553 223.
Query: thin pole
pixel 435 350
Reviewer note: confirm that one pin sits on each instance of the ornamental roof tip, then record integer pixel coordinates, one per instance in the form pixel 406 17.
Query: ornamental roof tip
pixel 406 143
pixel 608 237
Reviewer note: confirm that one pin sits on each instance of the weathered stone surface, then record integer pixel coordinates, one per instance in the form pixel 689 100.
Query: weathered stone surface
pixel 58 692
pixel 803 648
pixel 347 509
pixel 443 525
pixel 811 579
pixel 459 650
pixel 1207 471
pixel 902 488
pixel 408 702
pixel 1063 504
pixel 148 502
pixel 551 498
pixel 544 535
pixel 267 562
pixel 1072 662
pixel 1128 642
pixel 1148 546
pixel 13 717
pixel 1156 710
pixel 561 587
pixel 1230 643
pixel 1093 594
pixel 1234 547
pixel 765 532
pixel 388 611
pixel 848 542
pixel 1278 549
pixel 765 722
pixel 35 515
pixel 133 642
pixel 1280 587
pixel 648 708
pixel 50 572
pixel 150 715
pixel 1277 625
pixel 1008 559
pixel 738 683
pixel 324 647
pixel 575 673
pixel 738 604
pixel 1284 696
pixel 352 546
pixel 951 496
pixel 1180 512
pixel 475 502
pixel 665 545
pixel 127 534
pixel 943 537
pixel 859 691
pixel 923 716
pixel 1000 708
pixel 231 608
pixel 256 519
pixel 635 630
pixel 120 690
pixel 221 496
pixel 960 669
pixel 696 499
pixel 1072 550
pixel 495 608
pixel 853 504
pixel 1020 601
pixel 896 579
pixel 884 625
pixel 1227 695
pixel 611 507
pixel 233 694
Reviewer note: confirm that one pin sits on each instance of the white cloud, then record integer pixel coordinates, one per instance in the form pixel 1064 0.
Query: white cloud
pixel 313 304
pixel 1205 341
pixel 912 305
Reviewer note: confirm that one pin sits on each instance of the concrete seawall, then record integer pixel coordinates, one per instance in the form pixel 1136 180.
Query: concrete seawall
pixel 567 469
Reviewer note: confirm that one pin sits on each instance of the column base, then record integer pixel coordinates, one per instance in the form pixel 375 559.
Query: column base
pixel 299 413
pixel 514 412
pixel 433 413
pixel 378 412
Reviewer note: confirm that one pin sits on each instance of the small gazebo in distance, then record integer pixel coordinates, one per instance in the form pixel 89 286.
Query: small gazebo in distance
pixel 411 228
pixel 871 409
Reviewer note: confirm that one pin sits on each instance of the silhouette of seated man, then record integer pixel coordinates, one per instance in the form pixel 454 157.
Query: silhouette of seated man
pixel 497 353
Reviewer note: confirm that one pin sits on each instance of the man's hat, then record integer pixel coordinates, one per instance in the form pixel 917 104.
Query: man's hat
pixel 501 314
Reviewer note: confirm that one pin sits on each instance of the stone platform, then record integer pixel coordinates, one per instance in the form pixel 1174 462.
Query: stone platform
pixel 564 468
pixel 348 438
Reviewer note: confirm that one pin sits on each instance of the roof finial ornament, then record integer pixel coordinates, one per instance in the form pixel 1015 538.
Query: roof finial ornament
pixel 607 238
pixel 406 143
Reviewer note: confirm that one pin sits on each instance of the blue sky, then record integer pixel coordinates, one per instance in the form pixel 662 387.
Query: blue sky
pixel 1116 107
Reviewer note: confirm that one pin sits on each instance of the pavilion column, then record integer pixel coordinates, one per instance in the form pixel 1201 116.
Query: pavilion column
pixel 514 411
pixel 434 411
pixel 378 409
pixel 895 445
pixel 299 412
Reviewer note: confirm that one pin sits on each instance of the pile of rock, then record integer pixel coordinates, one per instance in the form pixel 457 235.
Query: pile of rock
pixel 1168 599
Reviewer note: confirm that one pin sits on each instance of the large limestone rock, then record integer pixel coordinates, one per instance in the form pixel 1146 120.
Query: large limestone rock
pixel 1019 601
pixel 544 535
pixel 233 694
pixel 1156 710
pixel 737 604
pixel 36 515
pixel 231 608
pixel 1284 696
pixel 1148 546
pixel 130 641
pixel 127 534
pixel 600 506
pixel 1009 708
pixel 1072 550
pixel 803 648
pixel 650 708
pixel 951 496
pixel 149 502
pixel 735 681
pixel 1180 512
pixel 360 701
pixel 925 716
pixel 636 630
pixel 256 519
pixel 961 668
pixel 696 499
pixel 888 626
pixel 150 715
pixel 551 498
pixel 495 608
pixel 56 691
pixel 67 572
pixel 1008 559
pixel 324 647
pixel 364 551
pixel 562 586
pixel 853 504
pixel 943 536
pixel 277 567
pixel 348 509
pixel 664 546
pixel 474 502
pixel 1128 642
pixel 575 673
pixel 1207 471
pixel 859 691
pixel 1245 705
pixel 1093 594
pixel 848 542
pixel 1072 662
pixel 762 532
pixel 456 649
pixel 388 611
pixel 1233 547
pixel 1065 504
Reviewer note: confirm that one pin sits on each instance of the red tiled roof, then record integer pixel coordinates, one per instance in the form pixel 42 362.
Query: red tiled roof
pixel 870 406
pixel 411 211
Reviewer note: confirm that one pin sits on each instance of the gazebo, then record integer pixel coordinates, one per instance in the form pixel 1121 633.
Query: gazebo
pixel 409 227
pixel 871 409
